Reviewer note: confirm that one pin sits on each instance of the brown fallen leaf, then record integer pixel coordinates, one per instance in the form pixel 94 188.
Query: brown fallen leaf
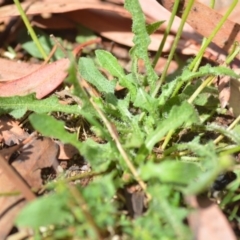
pixel 218 5
pixel 229 93
pixel 117 29
pixel 114 22
pixel 10 132
pixel 42 81
pixel 53 6
pixel 207 220
pixel 226 36
pixel 38 154
pixel 66 151
pixel 235 17
pixel 11 69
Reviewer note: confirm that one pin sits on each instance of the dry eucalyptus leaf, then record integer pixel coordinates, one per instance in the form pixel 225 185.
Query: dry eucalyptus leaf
pixel 38 154
pixel 41 81
pixel 226 36
pixel 14 69
pixel 207 220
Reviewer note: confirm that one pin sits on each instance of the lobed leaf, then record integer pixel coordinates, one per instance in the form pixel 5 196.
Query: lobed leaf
pixel 51 127
pixel 91 74
pixel 145 101
pixel 141 39
pixel 171 171
pixel 151 28
pixel 17 106
pixel 184 114
pixel 110 63
pixel 54 204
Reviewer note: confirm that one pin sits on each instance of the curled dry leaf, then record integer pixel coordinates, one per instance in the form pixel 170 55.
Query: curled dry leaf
pixel 207 220
pixel 10 132
pixel 38 154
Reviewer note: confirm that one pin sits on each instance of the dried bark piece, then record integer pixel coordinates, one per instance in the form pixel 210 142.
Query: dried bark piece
pixel 226 36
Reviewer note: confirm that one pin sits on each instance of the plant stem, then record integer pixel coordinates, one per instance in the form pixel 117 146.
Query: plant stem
pixel 166 33
pixel 173 49
pixel 230 151
pixel 212 4
pixel 200 88
pixel 30 29
pixel 85 209
pixel 235 52
pixel 120 148
pixel 212 35
pixel 232 125
pixel 167 139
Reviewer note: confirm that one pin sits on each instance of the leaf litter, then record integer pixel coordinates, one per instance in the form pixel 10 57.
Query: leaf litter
pixel 114 23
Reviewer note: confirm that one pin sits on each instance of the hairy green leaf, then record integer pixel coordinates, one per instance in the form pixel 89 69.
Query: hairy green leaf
pixel 187 75
pixel 184 114
pixel 231 134
pixel 91 74
pixel 51 127
pixel 110 63
pixel 145 101
pixel 151 28
pixel 55 204
pixel 141 39
pixel 47 43
pixel 171 171
pixel 206 179
pixel 17 106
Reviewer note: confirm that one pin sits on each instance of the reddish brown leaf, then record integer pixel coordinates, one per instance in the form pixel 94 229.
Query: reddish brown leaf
pixel 10 132
pixel 34 156
pixel 66 151
pixel 42 81
pixel 227 35
pixel 114 22
pixel 47 6
pixel 11 69
pixel 207 220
